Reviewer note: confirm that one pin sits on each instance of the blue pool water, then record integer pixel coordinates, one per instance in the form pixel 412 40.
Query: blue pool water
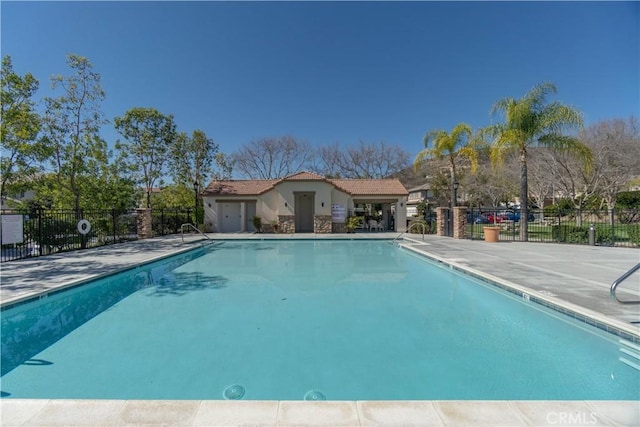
pixel 341 320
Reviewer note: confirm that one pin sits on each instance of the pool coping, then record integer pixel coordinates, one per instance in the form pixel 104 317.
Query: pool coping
pixel 29 412
pixel 10 303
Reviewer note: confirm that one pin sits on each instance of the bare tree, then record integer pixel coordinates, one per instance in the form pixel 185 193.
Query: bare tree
pixel 572 177
pixel 365 160
pixel 491 185
pixel 616 148
pixel 272 158
pixel 540 178
pixel 615 145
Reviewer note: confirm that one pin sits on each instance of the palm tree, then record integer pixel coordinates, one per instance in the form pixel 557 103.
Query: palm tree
pixel 460 143
pixel 531 121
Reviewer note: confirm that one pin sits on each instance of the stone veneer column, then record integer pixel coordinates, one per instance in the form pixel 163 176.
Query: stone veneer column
pixel 143 223
pixel 459 222
pixel 338 227
pixel 322 224
pixel 441 220
pixel 287 223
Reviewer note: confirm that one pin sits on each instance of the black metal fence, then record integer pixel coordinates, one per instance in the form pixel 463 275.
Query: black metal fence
pixel 620 227
pixel 169 221
pixel 38 232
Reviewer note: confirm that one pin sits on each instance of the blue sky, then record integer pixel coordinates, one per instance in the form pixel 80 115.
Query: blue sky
pixel 330 72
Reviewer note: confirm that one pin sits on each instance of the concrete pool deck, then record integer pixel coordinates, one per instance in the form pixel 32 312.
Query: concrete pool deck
pixel 576 276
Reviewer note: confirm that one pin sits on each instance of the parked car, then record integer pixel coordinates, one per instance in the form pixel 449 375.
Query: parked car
pixel 477 218
pixel 493 217
pixel 515 216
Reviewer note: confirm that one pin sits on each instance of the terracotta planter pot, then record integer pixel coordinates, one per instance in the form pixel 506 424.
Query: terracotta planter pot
pixel 491 234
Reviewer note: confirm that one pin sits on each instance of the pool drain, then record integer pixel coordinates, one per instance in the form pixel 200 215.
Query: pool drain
pixel 314 395
pixel 234 392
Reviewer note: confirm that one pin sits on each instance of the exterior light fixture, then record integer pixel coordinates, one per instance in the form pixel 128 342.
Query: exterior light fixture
pixel 454 192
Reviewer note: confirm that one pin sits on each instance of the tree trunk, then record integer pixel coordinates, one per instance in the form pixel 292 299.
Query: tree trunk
pixel 524 198
pixel 453 188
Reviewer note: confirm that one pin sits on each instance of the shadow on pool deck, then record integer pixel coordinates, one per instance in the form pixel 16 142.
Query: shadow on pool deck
pixel 22 278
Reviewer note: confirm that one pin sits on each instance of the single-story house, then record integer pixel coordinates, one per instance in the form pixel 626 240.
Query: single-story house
pixel 301 203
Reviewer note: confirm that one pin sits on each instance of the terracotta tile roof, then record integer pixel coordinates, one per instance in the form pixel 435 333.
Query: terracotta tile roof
pixel 373 187
pixel 304 176
pixel 251 187
pixel 421 187
pixel 357 187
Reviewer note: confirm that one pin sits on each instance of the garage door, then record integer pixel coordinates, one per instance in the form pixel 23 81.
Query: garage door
pixel 231 220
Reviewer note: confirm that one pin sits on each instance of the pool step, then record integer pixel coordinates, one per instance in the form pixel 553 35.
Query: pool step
pixel 630 349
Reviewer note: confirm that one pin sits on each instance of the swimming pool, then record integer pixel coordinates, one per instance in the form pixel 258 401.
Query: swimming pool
pixel 285 320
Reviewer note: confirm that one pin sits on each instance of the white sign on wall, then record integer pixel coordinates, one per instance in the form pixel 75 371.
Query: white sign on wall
pixel 338 213
pixel 12 227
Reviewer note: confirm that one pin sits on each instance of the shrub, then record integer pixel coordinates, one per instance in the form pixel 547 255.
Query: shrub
pixel 54 233
pixel 352 223
pixel 628 200
pixel 257 223
pixel 634 233
pixel 605 234
pixel 570 234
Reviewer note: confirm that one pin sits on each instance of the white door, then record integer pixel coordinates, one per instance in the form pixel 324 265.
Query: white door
pixel 231 220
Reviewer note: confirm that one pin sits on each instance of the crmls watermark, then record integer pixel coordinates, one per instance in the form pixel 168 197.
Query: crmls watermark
pixel 572 418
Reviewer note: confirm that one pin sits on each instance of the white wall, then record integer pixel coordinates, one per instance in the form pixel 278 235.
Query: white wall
pixel 401 215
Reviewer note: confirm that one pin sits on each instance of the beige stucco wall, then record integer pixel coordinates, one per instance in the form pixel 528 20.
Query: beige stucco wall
pixel 210 214
pixel 401 215
pixel 272 203
pixel 341 198
pixel 267 206
pixel 286 194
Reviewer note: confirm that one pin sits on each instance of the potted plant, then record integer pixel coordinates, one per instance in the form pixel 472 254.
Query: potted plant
pixel 274 225
pixel 352 223
pixel 491 233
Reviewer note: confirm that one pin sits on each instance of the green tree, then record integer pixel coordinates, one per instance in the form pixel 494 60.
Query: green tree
pixel 148 136
pixel 111 190
pixel 531 121
pixel 191 162
pixel 461 144
pixel 177 196
pixel 71 125
pixel 224 165
pixel 192 158
pixel 19 127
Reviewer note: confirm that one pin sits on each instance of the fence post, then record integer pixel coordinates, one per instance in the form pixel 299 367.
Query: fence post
pixel 613 227
pixel 441 220
pixel 144 223
pixel 113 214
pixel 459 222
pixel 39 211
